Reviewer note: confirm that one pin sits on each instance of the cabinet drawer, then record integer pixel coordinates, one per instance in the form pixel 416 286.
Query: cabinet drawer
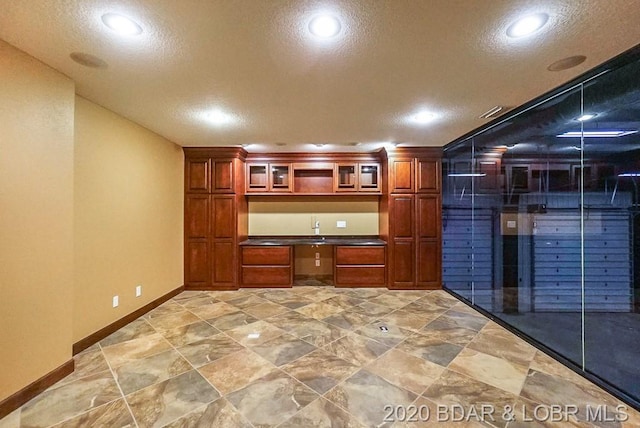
pixel 360 255
pixel 266 275
pixel 266 255
pixel 360 275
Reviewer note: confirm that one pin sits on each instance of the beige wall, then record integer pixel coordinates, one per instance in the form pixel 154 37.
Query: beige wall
pixel 128 216
pixel 36 219
pixel 277 217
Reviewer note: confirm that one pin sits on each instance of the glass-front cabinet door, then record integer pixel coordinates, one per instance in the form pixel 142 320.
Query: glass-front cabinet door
pixel 368 177
pixel 346 178
pixel 257 178
pixel 280 177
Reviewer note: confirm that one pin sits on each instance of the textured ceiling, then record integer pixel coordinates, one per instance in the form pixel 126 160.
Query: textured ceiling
pixel 256 60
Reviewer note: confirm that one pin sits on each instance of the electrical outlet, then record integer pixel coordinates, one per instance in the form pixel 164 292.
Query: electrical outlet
pixel 341 224
pixel 317 256
pixel 138 290
pixel 115 301
pixel 317 263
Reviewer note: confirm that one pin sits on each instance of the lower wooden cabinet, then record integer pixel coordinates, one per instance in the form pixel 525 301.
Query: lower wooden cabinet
pixel 360 266
pixel 266 266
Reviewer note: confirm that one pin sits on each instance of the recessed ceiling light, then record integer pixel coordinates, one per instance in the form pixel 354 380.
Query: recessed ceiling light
pixel 586 116
pixel 527 25
pixel 121 24
pixel 324 26
pixel 218 117
pixel 423 117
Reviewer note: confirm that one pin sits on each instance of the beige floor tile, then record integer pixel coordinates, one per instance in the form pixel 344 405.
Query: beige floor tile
pixel 236 370
pixel 491 370
pixel 135 349
pixel 255 334
pixel 265 310
pixel 320 370
pixel 406 371
pixel 319 310
pixel 356 349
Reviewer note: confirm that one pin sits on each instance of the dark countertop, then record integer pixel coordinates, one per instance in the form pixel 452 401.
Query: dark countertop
pixel 314 240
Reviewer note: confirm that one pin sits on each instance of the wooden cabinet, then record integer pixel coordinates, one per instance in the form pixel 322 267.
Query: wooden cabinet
pixel 309 178
pixel 266 266
pixel 346 177
pixel 209 175
pixel 414 219
pixel 197 175
pixel 402 225
pixel 369 177
pixel 223 176
pixel 402 175
pixel 359 266
pixel 428 176
pixel 211 217
pixel 265 177
pixel 357 177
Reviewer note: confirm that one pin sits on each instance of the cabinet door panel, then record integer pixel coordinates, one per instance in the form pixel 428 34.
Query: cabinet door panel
pixel 428 214
pixel 198 173
pixel 360 256
pixel 366 276
pixel 428 176
pixel 402 176
pixel 266 276
pixel 403 263
pixel 223 178
pixel 402 216
pixel 223 263
pixel 197 216
pixel 223 216
pixel 428 263
pixel 198 270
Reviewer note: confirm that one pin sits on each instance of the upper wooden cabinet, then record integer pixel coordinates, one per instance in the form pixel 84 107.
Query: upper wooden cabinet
pixel 308 176
pixel 402 175
pixel 222 176
pixel 428 171
pixel 208 175
pixel 268 177
pixel 357 177
pixel 198 176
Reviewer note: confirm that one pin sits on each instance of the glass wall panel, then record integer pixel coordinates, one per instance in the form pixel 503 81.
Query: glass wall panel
pixel 541 223
pixel 457 231
pixel 610 179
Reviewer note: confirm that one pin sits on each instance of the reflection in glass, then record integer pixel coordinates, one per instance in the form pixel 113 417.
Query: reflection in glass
pixel 541 224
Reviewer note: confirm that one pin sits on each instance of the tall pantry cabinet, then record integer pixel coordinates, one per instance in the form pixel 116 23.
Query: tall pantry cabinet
pixel 414 218
pixel 214 201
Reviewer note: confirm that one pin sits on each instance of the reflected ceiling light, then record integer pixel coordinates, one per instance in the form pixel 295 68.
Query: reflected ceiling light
pixel 319 145
pixel 596 134
pixel 527 25
pixel 121 24
pixel 493 112
pixel 466 174
pixel 586 116
pixel 630 174
pixel 423 117
pixel 325 26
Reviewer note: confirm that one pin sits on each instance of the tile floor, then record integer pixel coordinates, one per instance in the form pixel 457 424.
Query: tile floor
pixel 315 357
